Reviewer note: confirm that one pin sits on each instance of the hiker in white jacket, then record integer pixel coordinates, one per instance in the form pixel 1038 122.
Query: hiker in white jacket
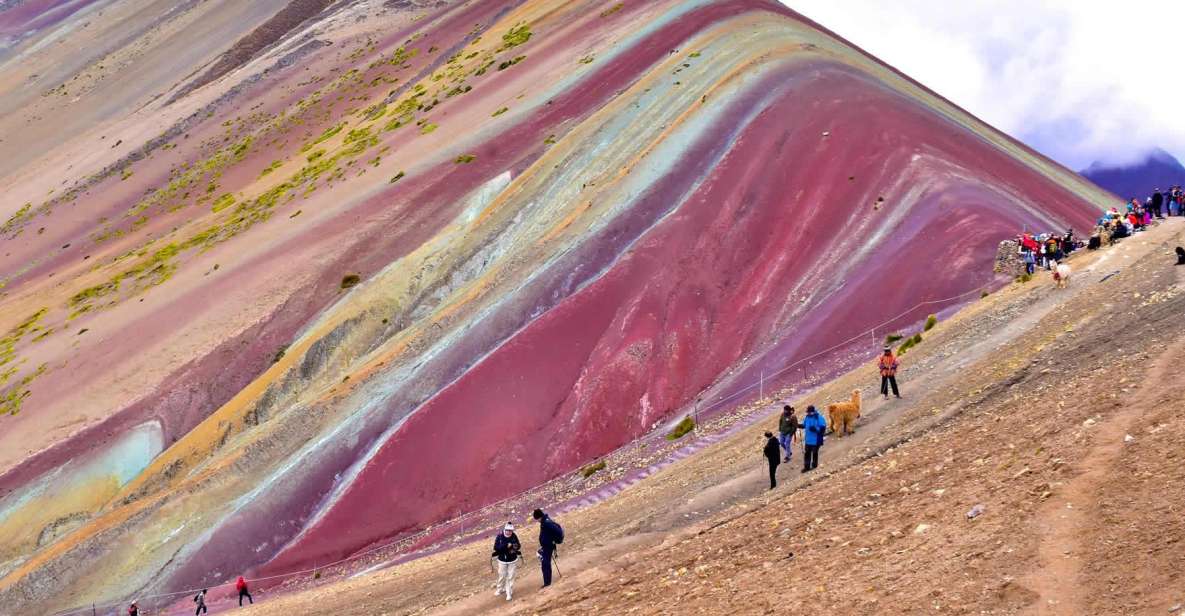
pixel 507 552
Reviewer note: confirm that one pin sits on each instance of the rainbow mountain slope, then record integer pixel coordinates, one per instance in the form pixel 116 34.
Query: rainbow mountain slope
pixel 282 280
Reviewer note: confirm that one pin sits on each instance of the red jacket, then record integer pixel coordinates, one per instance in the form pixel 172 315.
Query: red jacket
pixel 888 365
pixel 241 585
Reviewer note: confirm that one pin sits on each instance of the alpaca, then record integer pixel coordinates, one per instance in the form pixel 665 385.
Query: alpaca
pixel 843 415
pixel 1061 275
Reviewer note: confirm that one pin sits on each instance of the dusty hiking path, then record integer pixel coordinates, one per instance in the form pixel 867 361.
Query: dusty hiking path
pixel 996 410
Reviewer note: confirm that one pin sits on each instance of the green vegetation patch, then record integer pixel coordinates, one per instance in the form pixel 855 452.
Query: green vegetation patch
pixel 223 202
pixel 276 164
pixel 592 469
pixel 328 134
pixel 509 63
pixel 517 35
pixel 13 397
pixel 891 338
pixel 681 429
pixel 913 341
pixel 931 321
pixel 465 159
pixel 12 226
pixel 613 9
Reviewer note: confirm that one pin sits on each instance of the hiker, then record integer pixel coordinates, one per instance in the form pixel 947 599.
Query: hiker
pixel 550 535
pixel 888 365
pixel 787 428
pixel 773 453
pixel 507 551
pixel 241 586
pixel 1180 255
pixel 1157 203
pixel 200 600
pixel 814 426
pixel 133 609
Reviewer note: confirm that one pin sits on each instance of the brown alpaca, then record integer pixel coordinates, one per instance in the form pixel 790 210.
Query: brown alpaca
pixel 843 415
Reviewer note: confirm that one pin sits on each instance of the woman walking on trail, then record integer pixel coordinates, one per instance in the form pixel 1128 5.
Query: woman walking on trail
pixel 241 586
pixel 507 552
pixel 787 428
pixel 773 454
pixel 200 600
pixel 888 365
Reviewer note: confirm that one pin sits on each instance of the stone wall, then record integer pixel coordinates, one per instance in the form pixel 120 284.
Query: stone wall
pixel 1008 259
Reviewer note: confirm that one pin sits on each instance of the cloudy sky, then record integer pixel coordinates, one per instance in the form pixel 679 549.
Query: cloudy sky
pixel 1079 80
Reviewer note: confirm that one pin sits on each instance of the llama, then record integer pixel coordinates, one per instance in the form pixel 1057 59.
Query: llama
pixel 1061 275
pixel 843 415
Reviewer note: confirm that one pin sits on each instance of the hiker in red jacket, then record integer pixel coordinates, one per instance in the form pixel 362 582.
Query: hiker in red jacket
pixel 888 365
pixel 241 585
pixel 133 609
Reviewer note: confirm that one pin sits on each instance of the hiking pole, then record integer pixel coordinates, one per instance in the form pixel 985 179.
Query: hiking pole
pixel 555 560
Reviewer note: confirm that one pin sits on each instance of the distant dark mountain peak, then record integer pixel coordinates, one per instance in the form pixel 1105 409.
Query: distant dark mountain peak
pixel 1158 169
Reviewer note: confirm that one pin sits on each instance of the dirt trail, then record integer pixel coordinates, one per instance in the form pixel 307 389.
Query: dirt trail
pixel 1064 521
pixel 880 517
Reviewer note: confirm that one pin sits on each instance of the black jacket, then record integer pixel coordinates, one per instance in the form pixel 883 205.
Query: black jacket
pixel 507 549
pixel 549 533
pixel 1157 199
pixel 773 450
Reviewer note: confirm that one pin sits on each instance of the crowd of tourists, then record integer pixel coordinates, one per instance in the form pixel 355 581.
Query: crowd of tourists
pixel 1135 216
pixel 1046 250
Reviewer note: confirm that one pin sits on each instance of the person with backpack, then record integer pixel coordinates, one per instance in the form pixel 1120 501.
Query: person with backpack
pixel 550 535
pixel 507 551
pixel 814 426
pixel 200 600
pixel 1156 201
pixel 787 429
pixel 888 365
pixel 772 453
pixel 241 586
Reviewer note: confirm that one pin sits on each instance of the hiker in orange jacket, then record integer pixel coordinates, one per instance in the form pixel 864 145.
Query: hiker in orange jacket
pixel 888 365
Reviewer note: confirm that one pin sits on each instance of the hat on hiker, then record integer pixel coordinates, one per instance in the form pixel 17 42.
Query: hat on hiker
pixel 887 349
pixel 509 527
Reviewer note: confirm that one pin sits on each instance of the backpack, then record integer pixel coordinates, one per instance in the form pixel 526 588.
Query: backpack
pixel 559 532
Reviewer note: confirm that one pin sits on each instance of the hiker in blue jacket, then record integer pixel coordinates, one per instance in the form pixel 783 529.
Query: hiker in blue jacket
pixel 813 428
pixel 550 535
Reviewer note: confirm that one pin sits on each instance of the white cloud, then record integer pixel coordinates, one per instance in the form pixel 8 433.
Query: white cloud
pixel 1078 80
